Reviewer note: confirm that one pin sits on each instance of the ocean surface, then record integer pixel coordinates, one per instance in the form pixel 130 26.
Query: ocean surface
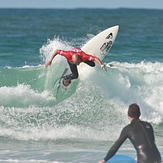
pixel 81 126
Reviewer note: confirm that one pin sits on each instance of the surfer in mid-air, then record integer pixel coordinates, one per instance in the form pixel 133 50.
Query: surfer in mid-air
pixel 75 57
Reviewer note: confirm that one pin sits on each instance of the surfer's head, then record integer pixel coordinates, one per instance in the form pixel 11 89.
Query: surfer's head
pixel 76 59
pixel 134 111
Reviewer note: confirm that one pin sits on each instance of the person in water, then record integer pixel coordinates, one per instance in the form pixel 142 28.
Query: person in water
pixel 141 135
pixel 74 58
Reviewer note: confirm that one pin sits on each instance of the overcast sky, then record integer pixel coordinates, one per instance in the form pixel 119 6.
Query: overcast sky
pixel 149 4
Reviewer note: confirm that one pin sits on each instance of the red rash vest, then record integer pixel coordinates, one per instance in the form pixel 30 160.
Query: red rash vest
pixel 69 53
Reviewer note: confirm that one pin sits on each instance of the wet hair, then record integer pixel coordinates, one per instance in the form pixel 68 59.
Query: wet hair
pixel 134 111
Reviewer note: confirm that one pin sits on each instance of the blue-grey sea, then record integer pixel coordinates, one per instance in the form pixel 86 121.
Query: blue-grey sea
pixel 82 125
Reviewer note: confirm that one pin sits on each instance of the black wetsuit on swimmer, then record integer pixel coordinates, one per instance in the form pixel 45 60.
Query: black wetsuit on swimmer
pixel 141 135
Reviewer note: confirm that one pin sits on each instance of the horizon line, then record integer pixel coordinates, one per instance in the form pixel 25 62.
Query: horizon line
pixel 129 8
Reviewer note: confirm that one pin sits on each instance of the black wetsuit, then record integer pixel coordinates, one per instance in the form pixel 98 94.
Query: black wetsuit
pixel 141 135
pixel 74 70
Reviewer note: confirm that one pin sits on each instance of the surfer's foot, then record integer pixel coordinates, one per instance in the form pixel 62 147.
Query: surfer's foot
pixel 65 81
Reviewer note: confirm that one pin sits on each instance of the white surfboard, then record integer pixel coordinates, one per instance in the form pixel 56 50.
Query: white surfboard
pixel 101 43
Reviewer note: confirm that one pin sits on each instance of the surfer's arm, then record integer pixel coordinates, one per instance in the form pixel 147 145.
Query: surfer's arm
pixel 100 63
pixel 123 136
pixel 51 59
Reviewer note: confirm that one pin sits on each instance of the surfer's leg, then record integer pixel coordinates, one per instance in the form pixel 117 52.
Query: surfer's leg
pixel 90 63
pixel 74 71
pixel 74 74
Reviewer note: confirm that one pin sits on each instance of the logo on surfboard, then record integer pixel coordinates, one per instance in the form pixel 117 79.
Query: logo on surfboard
pixel 110 36
pixel 107 45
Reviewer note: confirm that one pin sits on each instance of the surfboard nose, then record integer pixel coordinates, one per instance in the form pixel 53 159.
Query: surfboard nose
pixel 116 28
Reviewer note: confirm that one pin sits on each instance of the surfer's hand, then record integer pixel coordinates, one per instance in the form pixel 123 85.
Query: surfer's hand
pixel 47 63
pixel 103 67
pixel 101 161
